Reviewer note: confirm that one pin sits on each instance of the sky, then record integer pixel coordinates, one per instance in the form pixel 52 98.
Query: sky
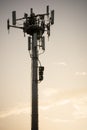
pixel 63 92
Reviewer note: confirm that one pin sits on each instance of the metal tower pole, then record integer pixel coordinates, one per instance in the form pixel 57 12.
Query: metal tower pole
pixel 35 26
pixel 34 119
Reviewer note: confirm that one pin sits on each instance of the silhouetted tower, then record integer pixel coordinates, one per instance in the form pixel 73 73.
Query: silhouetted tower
pixel 35 26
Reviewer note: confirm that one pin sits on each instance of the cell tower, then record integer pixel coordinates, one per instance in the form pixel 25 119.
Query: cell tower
pixel 35 26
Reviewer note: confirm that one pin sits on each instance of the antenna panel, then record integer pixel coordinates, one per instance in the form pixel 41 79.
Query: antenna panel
pixel 48 30
pixel 43 43
pixel 8 26
pixel 25 15
pixel 14 17
pixel 31 10
pixel 47 9
pixel 29 43
pixel 52 17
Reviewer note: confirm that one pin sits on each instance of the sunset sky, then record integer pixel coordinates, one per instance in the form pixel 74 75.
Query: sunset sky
pixel 63 92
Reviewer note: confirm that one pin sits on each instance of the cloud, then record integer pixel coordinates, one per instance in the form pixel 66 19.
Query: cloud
pixel 56 120
pixel 63 109
pixel 80 108
pixel 69 108
pixel 60 63
pixel 81 73
pixel 61 120
pixel 64 102
pixel 14 111
pixel 49 92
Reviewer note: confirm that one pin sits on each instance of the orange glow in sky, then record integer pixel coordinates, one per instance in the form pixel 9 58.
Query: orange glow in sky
pixel 63 92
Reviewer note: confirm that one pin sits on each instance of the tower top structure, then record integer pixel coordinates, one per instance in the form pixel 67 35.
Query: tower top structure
pixel 38 23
